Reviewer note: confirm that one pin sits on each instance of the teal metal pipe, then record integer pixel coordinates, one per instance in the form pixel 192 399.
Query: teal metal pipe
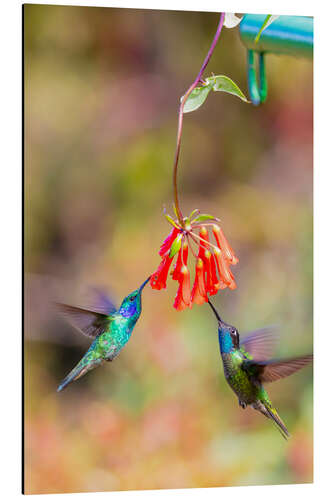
pixel 291 35
pixel 252 79
pixel 262 78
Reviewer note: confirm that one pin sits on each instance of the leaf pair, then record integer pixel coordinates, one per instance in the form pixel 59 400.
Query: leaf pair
pixel 220 83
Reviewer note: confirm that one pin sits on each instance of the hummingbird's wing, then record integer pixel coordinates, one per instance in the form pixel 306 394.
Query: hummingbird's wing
pixel 260 343
pixel 274 369
pixel 90 323
pixel 102 302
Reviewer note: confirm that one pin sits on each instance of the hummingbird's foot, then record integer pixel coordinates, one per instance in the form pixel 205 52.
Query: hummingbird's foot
pixel 242 404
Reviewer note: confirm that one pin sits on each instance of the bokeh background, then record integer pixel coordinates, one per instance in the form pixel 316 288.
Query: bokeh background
pixel 102 88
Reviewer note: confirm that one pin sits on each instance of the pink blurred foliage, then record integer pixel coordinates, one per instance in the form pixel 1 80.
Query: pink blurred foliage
pixel 300 456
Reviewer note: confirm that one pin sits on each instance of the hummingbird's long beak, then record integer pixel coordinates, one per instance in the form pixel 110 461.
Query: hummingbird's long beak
pixel 220 321
pixel 144 284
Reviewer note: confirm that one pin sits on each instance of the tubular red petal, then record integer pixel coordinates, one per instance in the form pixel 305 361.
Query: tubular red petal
pixel 232 285
pixel 197 298
pixel 224 246
pixel 209 277
pixel 181 259
pixel 183 297
pixel 201 279
pixel 222 267
pixel 203 233
pixel 186 285
pixel 220 285
pixel 177 267
pixel 179 303
pixel 214 281
pixel 199 295
pixel 166 245
pixel 158 279
pixel 185 253
pixel 201 253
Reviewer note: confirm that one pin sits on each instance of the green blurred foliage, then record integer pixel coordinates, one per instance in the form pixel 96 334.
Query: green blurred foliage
pixel 102 88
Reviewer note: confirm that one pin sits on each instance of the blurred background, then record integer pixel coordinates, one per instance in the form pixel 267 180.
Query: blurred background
pixel 102 88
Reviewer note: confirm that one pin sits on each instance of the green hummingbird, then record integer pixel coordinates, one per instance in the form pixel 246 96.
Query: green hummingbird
pixel 246 367
pixel 111 330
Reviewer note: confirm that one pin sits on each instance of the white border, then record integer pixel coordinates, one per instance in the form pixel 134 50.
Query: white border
pixel 10 199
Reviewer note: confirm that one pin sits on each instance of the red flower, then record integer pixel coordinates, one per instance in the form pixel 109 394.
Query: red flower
pixel 212 261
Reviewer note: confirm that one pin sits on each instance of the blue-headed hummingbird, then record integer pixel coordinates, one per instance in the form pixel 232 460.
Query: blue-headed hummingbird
pixel 247 367
pixel 110 329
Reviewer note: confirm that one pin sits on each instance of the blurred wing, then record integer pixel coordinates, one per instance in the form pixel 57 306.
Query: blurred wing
pixel 260 343
pixel 90 323
pixel 102 302
pixel 270 371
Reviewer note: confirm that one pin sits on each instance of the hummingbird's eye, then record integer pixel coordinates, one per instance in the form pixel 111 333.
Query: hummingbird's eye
pixel 132 298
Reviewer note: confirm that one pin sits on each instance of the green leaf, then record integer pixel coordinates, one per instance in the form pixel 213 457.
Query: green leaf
pixel 175 247
pixel 196 210
pixel 196 98
pixel 170 219
pixel 268 20
pixel 223 83
pixel 203 217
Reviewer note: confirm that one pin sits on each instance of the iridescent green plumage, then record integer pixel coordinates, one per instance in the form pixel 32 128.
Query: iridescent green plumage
pixel 246 367
pixel 111 330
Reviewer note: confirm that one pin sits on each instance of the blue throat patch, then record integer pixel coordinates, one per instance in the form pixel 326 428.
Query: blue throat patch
pixel 225 340
pixel 129 311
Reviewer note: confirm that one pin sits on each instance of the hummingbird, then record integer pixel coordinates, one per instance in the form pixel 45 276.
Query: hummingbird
pixel 246 367
pixel 110 329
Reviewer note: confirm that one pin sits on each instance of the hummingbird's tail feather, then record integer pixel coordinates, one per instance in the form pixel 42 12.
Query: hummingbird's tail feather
pixel 78 371
pixel 279 423
pixel 266 409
